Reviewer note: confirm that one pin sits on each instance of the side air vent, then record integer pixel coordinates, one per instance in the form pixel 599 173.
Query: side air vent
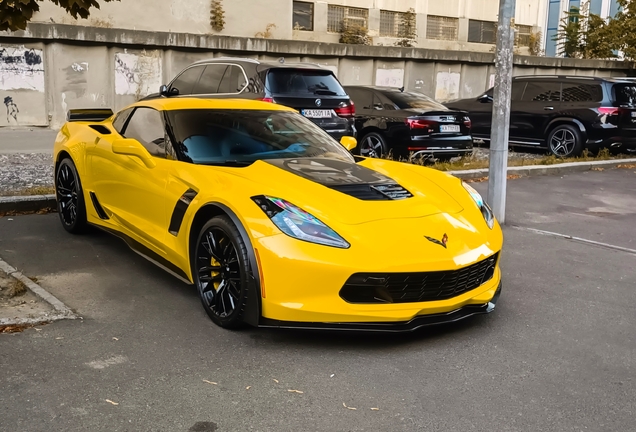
pixel 101 129
pixel 381 192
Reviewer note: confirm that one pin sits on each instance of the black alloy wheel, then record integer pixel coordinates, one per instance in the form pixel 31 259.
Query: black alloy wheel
pixel 221 272
pixel 565 141
pixel 70 198
pixel 373 145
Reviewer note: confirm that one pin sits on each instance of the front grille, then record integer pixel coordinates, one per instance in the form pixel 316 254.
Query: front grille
pixel 368 192
pixel 417 287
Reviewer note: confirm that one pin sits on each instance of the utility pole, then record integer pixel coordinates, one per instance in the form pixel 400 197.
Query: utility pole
pixel 501 110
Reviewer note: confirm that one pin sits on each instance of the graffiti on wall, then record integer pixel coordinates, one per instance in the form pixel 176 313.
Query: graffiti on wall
pixel 137 75
pixel 12 110
pixel 21 69
pixel 447 86
pixel 389 77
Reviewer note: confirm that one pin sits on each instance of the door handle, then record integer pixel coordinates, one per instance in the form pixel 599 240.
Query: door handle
pixel 548 108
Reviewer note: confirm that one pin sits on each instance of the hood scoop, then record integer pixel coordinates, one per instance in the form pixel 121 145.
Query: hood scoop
pixel 374 192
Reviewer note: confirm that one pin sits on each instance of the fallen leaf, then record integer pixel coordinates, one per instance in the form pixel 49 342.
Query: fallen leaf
pixel 349 408
pixel 111 402
pixel 37 329
pixel 332 375
pixel 627 166
pixel 513 176
pixel 58 338
pixel 598 169
pixel 248 387
pixel 295 391
pixel 375 409
pixel 115 338
pixel 210 382
pixel 275 380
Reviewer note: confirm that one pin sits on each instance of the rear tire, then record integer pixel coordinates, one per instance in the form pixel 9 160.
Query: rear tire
pixel 565 141
pixel 373 144
pixel 221 271
pixel 71 206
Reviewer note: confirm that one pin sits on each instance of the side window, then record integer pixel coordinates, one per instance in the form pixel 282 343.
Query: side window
pixel 363 99
pixel 544 91
pixel 576 92
pixel 186 81
pixel 146 126
pixel 210 79
pixel 518 88
pixel 233 81
pixel 120 120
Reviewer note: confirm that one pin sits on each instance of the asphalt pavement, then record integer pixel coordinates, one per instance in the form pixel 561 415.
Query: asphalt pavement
pixel 558 354
pixel 27 140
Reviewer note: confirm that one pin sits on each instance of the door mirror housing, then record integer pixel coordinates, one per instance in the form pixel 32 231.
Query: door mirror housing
pixel 485 98
pixel 349 142
pixel 166 91
pixel 132 147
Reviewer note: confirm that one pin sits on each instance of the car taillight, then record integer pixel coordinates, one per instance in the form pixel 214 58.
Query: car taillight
pixel 419 124
pixel 268 99
pixel 608 111
pixel 345 110
pixel 468 123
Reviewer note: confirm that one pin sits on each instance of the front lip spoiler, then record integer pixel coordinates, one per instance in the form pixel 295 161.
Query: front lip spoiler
pixel 391 327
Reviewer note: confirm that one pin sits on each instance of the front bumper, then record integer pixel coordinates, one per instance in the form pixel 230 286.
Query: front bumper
pixel 392 327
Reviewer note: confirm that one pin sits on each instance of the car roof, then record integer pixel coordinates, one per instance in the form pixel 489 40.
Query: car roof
pixel 378 88
pixel 180 103
pixel 265 64
pixel 576 78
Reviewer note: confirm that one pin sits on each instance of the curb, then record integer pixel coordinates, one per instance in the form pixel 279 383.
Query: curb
pixel 61 310
pixel 27 203
pixel 540 170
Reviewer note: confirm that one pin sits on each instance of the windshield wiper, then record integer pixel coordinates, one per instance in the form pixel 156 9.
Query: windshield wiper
pixel 230 163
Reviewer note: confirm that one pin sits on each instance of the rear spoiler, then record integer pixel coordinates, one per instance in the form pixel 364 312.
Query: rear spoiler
pixel 89 114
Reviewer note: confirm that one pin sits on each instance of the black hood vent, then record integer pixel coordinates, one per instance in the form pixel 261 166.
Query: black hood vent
pixel 377 192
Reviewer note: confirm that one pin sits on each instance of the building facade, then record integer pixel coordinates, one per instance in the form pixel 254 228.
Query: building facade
pixel 467 25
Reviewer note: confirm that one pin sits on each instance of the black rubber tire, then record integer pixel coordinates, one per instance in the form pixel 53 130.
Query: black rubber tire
pixel 233 320
pixel 565 130
pixel 77 224
pixel 379 139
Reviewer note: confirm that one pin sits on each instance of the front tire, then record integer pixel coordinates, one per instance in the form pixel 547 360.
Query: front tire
pixel 373 145
pixel 565 141
pixel 220 269
pixel 71 206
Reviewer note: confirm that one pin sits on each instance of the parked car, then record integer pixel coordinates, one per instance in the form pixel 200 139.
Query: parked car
pixel 407 123
pixel 309 88
pixel 563 114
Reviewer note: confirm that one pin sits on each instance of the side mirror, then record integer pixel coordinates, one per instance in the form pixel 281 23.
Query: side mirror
pixel 348 142
pixel 164 90
pixel 485 98
pixel 132 147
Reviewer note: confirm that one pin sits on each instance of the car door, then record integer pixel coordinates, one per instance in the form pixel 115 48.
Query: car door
pixel 131 193
pixel 530 116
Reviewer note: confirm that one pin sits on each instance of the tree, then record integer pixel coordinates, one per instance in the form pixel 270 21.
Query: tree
pixel 354 33
pixel 15 14
pixel 623 30
pixel 586 36
pixel 408 29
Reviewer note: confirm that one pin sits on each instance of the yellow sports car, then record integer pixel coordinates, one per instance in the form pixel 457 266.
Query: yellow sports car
pixel 274 221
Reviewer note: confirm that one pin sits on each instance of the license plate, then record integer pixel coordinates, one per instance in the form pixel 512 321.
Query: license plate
pixel 633 113
pixel 449 128
pixel 315 113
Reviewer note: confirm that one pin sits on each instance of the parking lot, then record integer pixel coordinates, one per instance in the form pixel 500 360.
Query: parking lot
pixel 558 354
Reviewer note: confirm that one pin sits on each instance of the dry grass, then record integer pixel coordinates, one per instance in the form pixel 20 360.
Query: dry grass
pixel 36 190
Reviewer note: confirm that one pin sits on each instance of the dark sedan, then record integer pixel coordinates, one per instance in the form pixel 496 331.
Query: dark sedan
pixel 393 121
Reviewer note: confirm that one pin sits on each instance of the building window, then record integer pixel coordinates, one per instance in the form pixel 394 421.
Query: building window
pixel 522 35
pixel 482 31
pixel 391 23
pixel 337 15
pixel 442 28
pixel 303 16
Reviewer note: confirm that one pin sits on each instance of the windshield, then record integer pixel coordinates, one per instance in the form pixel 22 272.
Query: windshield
pixel 241 137
pixel 409 100
pixel 303 82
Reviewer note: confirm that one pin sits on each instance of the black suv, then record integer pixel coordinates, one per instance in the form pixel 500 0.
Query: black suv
pixel 309 88
pixel 564 114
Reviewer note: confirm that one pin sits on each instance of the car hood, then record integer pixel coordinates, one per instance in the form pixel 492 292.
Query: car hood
pixel 350 193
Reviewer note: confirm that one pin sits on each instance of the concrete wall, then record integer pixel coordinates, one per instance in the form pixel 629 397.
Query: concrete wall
pixel 247 18
pixel 52 68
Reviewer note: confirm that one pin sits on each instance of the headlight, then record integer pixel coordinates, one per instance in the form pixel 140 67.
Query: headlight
pixel 297 223
pixel 485 209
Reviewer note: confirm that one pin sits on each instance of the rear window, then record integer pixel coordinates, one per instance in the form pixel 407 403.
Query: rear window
pixel 303 82
pixel 412 100
pixel 625 94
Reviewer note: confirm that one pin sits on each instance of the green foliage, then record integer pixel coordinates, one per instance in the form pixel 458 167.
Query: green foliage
pixel 408 29
pixel 623 30
pixel 354 34
pixel 15 14
pixel 217 15
pixel 587 36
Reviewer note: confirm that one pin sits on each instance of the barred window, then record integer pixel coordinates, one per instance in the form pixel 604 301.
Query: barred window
pixel 482 31
pixel 522 36
pixel 391 23
pixel 441 27
pixel 303 16
pixel 336 15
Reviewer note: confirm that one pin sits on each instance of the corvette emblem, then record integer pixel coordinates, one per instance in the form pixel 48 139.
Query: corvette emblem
pixel 438 242
pixel 318 102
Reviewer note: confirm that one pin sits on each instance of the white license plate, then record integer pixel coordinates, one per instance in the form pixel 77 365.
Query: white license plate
pixel 633 113
pixel 449 128
pixel 314 113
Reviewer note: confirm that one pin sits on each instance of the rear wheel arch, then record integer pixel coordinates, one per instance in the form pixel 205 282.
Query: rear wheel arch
pixel 203 215
pixel 566 120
